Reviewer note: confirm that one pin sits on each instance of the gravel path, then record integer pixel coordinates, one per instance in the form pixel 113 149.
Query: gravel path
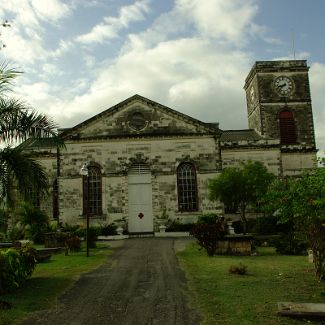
pixel 141 283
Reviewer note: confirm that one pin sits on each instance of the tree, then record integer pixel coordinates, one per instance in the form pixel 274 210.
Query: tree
pixel 240 187
pixel 20 124
pixel 302 201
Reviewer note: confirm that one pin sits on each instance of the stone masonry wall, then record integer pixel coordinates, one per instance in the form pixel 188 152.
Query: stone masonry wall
pixel 162 155
pixel 269 157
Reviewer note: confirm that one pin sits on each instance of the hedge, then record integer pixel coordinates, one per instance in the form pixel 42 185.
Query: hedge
pixel 16 265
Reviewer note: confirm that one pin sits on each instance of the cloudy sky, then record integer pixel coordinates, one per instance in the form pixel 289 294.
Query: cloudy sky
pixel 80 57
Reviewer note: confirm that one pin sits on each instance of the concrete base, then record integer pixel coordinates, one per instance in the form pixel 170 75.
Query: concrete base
pixel 156 234
pixel 172 234
pixel 301 310
pixel 115 237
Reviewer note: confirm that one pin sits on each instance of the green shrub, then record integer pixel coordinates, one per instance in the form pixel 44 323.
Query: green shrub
pixel 238 269
pixel 71 228
pixel 16 265
pixel 270 225
pixel 93 233
pixel 181 227
pixel 108 230
pixel 2 236
pixel 291 244
pixel 210 218
pixel 35 222
pixel 207 235
pixel 238 226
pixel 17 232
pixel 4 217
pixel 73 243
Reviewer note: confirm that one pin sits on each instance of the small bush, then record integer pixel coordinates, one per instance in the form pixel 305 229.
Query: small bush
pixel 4 217
pixel 2 236
pixel 109 230
pixel 16 265
pixel 17 232
pixel 35 221
pixel 238 226
pixel 70 228
pixel 73 243
pixel 207 236
pixel 93 232
pixel 291 244
pixel 270 225
pixel 209 218
pixel 181 227
pixel 238 269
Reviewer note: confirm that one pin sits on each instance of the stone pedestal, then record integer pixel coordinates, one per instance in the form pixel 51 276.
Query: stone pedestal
pixel 162 228
pixel 235 245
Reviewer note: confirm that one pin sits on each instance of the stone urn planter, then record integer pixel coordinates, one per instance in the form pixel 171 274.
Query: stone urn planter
pixel 230 228
pixel 121 226
pixel 160 222
pixel 162 228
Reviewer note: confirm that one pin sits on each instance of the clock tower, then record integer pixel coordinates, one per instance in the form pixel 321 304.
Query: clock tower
pixel 279 105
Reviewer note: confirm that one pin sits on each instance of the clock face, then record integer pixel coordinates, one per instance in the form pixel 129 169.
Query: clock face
pixel 283 85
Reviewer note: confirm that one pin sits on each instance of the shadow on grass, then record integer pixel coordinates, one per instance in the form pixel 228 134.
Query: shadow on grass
pixel 36 294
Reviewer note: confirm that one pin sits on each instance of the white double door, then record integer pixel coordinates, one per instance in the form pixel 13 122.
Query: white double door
pixel 140 199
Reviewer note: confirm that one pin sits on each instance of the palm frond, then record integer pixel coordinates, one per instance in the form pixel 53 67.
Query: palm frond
pixel 23 169
pixel 37 125
pixel 7 75
pixel 18 122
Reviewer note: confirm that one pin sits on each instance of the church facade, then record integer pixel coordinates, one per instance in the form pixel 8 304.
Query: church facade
pixel 145 160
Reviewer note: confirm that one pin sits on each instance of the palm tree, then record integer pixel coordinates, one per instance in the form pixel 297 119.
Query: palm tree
pixel 20 125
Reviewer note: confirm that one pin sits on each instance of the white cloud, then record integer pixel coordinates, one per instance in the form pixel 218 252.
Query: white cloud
pixel 63 48
pixel 22 49
pixel 199 75
pixel 191 59
pixel 111 26
pixel 294 56
pixel 50 10
pixel 317 82
pixel 225 20
pixel 51 70
pixel 25 38
pixel 171 73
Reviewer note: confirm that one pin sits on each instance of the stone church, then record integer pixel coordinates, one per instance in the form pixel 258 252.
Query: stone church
pixel 145 159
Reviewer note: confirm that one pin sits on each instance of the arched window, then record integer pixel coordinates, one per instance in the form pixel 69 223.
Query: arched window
pixel 92 196
pixel 55 198
pixel 287 127
pixel 187 187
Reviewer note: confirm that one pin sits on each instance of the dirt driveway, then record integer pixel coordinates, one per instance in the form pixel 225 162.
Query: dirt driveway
pixel 141 283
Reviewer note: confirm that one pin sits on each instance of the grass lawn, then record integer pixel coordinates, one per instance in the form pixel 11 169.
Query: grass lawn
pixel 225 298
pixel 49 280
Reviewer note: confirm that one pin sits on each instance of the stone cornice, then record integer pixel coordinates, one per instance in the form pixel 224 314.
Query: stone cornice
pixel 141 136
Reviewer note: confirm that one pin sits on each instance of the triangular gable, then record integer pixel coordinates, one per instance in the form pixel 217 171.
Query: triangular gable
pixel 138 116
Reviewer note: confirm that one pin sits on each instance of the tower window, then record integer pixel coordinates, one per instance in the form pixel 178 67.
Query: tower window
pixel 187 187
pixel 92 196
pixel 287 127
